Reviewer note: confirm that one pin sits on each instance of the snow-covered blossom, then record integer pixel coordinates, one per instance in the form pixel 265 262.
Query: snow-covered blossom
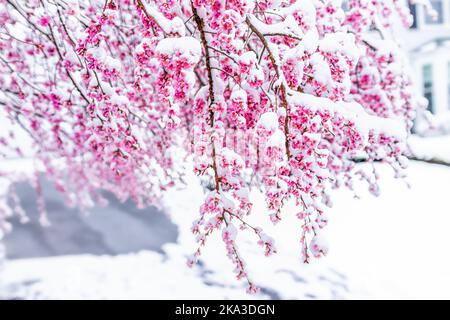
pixel 282 94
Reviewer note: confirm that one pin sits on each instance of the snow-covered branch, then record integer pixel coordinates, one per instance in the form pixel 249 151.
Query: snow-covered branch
pixel 282 95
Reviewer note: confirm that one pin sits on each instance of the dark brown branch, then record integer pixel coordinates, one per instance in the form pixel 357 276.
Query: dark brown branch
pixel 278 71
pixel 201 29
pixel 432 161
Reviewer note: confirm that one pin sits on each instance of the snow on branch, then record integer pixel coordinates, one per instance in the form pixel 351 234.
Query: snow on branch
pixel 352 112
pixel 117 95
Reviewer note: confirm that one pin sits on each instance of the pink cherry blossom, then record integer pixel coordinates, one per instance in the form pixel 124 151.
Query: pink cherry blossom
pixel 282 95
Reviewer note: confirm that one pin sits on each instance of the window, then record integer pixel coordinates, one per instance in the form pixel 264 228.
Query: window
pixel 439 8
pixel 427 74
pixel 413 9
pixel 448 84
pixel 345 5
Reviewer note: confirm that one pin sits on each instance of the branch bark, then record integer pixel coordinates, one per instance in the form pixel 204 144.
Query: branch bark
pixel 280 75
pixel 432 161
pixel 201 29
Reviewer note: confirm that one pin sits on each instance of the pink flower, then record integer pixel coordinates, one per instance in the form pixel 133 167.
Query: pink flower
pixel 44 21
pixel 124 95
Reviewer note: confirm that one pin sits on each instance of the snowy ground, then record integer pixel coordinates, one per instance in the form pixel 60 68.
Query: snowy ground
pixel 431 148
pixel 116 229
pixel 394 246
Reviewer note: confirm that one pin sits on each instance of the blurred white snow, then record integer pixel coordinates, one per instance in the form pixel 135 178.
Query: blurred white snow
pixel 393 246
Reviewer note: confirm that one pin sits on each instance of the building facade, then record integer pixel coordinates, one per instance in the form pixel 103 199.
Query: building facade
pixel 428 46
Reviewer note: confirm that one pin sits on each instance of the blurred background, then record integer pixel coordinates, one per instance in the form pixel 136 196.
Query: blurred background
pixel 393 246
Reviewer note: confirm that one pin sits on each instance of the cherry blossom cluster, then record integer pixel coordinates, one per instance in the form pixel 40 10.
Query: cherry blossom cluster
pixel 284 95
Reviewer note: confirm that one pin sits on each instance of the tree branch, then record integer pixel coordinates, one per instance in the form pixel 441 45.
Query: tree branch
pixel 280 76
